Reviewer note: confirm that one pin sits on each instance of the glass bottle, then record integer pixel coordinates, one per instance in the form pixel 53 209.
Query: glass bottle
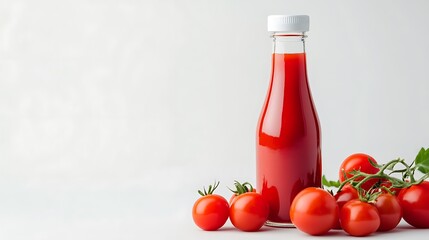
pixel 288 151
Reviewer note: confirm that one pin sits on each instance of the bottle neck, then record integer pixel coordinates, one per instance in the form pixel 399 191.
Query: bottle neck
pixel 289 43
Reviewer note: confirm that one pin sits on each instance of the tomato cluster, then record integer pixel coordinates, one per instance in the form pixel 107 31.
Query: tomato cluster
pixel 368 199
pixel 247 210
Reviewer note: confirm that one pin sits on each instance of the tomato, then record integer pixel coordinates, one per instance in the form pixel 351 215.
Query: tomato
pixel 210 212
pixel 358 161
pixel 346 194
pixel 314 211
pixel 359 218
pixel 389 210
pixel 414 202
pixel 249 211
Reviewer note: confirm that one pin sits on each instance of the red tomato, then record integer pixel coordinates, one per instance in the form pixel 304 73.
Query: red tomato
pixel 359 218
pixel 346 194
pixel 414 202
pixel 210 212
pixel 314 211
pixel 249 211
pixel 389 210
pixel 358 161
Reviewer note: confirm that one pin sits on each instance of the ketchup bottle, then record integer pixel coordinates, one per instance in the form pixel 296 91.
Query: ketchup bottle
pixel 288 154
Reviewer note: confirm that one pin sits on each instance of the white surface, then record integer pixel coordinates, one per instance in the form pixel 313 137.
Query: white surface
pixel 228 232
pixel 114 112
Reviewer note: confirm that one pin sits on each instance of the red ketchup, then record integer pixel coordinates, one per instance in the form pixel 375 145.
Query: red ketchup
pixel 288 139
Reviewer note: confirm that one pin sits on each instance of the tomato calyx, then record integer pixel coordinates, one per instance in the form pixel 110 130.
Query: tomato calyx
pixel 241 188
pixel 210 190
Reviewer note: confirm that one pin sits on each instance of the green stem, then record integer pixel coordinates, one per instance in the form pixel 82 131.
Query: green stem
pixel 348 180
pixel 359 185
pixel 379 174
pixel 409 171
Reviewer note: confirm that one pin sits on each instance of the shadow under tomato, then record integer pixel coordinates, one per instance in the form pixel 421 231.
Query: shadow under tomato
pixel 341 233
pixel 263 229
pixel 330 234
pixel 270 229
pixel 226 229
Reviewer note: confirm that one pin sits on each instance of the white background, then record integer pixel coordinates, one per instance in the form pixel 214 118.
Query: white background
pixel 114 112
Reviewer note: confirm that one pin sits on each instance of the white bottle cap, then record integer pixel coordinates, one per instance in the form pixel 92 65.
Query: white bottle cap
pixel 288 23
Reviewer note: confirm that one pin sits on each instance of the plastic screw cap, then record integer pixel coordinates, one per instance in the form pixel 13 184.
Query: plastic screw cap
pixel 288 23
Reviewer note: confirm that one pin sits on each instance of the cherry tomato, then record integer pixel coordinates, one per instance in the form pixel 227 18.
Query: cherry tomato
pixel 249 211
pixel 358 161
pixel 414 202
pixel 346 194
pixel 314 211
pixel 359 218
pixel 389 210
pixel 210 211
